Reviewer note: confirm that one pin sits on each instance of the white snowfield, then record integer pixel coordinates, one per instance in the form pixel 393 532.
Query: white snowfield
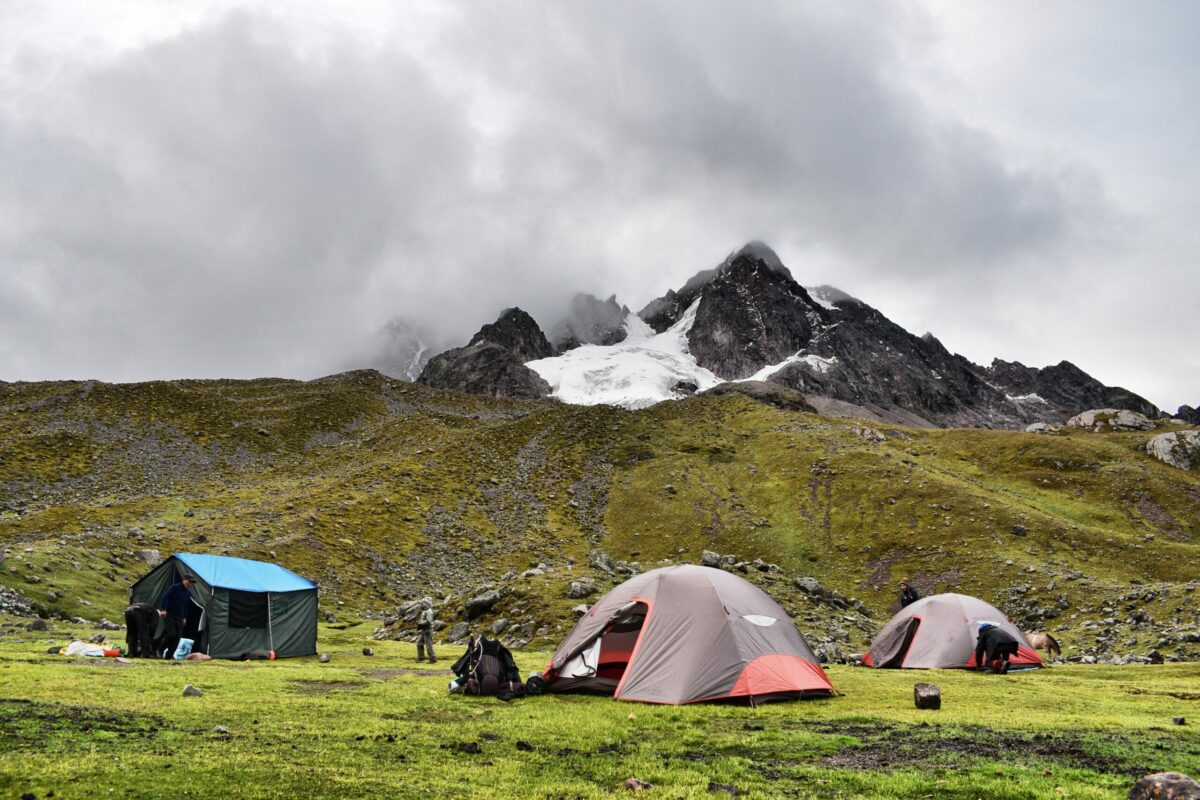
pixel 636 373
pixel 642 370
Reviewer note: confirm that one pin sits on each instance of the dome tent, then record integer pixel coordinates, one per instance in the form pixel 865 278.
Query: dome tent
pixel 939 632
pixel 239 605
pixel 685 634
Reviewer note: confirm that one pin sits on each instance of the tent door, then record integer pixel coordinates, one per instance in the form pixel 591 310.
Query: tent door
pixel 910 632
pixel 618 640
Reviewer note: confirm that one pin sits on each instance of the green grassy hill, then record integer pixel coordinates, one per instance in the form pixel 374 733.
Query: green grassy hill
pixel 382 491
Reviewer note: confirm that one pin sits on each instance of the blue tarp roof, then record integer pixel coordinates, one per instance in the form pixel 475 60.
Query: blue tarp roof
pixel 243 574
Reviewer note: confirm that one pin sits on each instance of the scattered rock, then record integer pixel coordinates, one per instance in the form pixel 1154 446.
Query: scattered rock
pixel 37 625
pixel 584 587
pixel 98 639
pixel 368 651
pixel 1165 786
pixel 1179 449
pixel 927 696
pixel 710 559
pixel 1019 530
pixel 105 625
pixel 1046 428
pixel 1178 721
pixel 635 785
pixel 480 604
pixel 723 788
pixel 324 658
pixel 598 559
pixel 220 730
pixel 1117 419
pixel 192 691
pixel 579 610
pixel 458 632
pixel 498 626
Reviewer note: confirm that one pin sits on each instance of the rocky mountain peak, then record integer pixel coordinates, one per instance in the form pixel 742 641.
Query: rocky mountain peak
pixel 517 332
pixel 590 320
pixel 493 362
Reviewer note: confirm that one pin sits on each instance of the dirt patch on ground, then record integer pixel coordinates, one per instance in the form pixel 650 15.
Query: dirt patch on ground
pixel 381 674
pixel 885 747
pixel 26 724
pixel 326 687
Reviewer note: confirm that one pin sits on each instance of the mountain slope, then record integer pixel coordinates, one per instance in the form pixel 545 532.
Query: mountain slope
pixel 384 491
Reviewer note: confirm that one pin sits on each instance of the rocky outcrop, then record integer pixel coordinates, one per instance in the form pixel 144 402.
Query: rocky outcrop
pixel 1116 419
pixel 1178 448
pixel 1165 786
pixel 1063 386
pixel 1188 414
pixel 517 332
pixel 493 363
pixel 1048 428
pixel 485 369
pixel 590 321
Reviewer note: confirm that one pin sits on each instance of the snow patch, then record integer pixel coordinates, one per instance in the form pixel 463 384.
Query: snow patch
pixel 818 364
pixel 638 372
pixel 1025 398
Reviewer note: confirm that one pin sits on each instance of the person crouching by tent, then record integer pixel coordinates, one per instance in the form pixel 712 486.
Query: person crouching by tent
pixel 141 621
pixel 425 631
pixel 908 595
pixel 174 605
pixel 997 644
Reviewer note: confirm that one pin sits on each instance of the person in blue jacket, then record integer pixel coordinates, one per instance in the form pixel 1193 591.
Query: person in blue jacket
pixel 173 609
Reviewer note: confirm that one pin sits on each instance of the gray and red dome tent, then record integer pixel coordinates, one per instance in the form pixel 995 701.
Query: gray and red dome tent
pixel 685 634
pixel 939 632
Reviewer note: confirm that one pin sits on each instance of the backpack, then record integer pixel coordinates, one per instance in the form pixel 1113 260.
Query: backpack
pixel 488 669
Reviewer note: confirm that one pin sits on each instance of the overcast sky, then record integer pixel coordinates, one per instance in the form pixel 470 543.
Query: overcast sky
pixel 220 189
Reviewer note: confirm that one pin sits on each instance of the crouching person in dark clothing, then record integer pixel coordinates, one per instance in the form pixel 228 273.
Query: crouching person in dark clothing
pixel 997 644
pixel 141 621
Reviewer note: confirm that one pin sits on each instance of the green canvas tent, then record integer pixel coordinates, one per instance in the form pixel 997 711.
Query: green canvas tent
pixel 239 605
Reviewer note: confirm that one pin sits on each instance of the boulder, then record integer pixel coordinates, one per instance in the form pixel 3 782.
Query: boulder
pixel 598 559
pixel 579 610
pixel 584 587
pixel 1178 448
pixel 37 625
pixel 192 691
pixel 1165 786
pixel 1117 419
pixel 368 651
pixel 458 632
pixel 710 559
pixel 927 696
pixel 499 626
pixel 1046 428
pixel 480 604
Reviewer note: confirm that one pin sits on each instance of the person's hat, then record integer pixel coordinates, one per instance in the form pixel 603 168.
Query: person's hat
pixel 191 578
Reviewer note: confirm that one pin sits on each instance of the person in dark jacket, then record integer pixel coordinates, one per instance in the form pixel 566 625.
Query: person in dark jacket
pixel 141 621
pixel 997 644
pixel 908 595
pixel 174 608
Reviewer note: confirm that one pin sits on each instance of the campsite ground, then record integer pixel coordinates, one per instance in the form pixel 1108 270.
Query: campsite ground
pixel 382 726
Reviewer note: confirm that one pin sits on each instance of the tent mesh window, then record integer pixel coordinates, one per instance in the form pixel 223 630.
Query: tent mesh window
pixel 247 609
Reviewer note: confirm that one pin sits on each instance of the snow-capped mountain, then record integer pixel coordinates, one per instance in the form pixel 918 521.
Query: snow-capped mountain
pixel 748 320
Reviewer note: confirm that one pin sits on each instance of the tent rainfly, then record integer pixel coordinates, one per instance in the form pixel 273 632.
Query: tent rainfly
pixel 940 632
pixel 239 605
pixel 685 634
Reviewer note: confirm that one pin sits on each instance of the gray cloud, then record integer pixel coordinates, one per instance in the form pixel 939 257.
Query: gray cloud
pixel 238 197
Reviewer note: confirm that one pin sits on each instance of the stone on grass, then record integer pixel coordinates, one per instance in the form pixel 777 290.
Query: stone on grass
pixel 1165 786
pixel 581 588
pixel 98 639
pixel 480 604
pixel 579 610
pixel 221 730
pixel 324 659
pixel 927 695
pixel 368 651
pixel 37 625
pixel 458 632
pixel 635 785
pixel 192 691
pixel 1178 721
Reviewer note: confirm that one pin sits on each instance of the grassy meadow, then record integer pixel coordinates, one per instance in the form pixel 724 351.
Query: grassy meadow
pixel 384 727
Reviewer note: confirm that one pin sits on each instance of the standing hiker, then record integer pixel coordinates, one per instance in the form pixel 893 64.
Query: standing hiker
pixel 425 630
pixel 908 595
pixel 174 605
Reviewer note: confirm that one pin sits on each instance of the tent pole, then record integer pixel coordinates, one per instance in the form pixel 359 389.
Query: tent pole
pixel 270 630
